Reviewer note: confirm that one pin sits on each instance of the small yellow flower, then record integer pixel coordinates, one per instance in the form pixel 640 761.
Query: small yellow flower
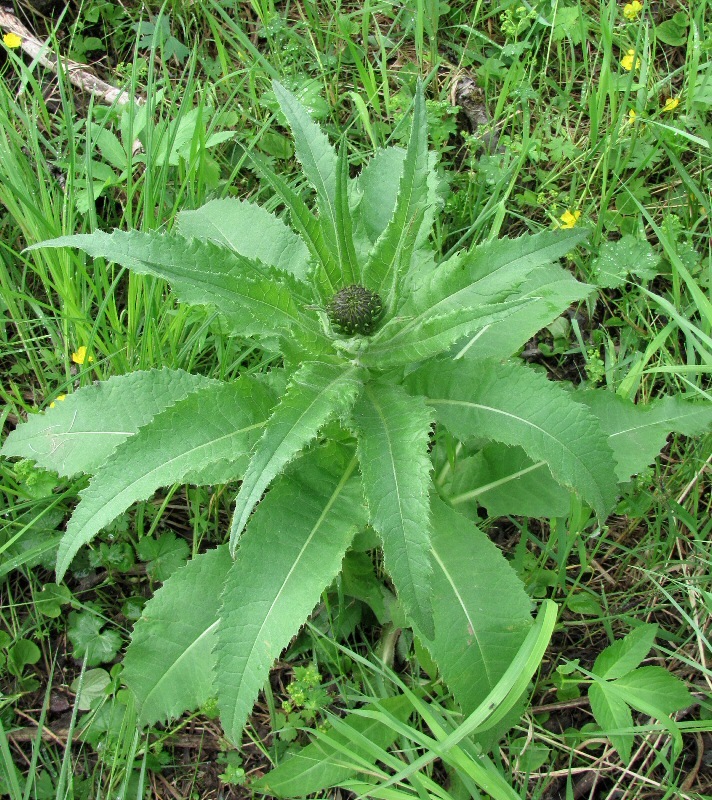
pixel 569 219
pixel 11 40
pixel 671 103
pixel 632 116
pixel 629 61
pixel 57 400
pixel 81 356
pixel 632 10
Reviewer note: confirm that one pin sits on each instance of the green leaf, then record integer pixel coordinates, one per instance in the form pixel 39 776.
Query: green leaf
pixel 206 438
pixel 81 431
pixel 51 599
pixel 319 161
pixel 327 270
pixel 346 252
pixel 169 665
pixel 164 555
pixel 673 31
pixel 625 654
pixel 469 292
pixel 359 580
pixel 512 404
pixel 654 689
pixel 627 255
pixel 612 714
pixel 255 299
pixel 324 763
pixel 90 686
pixel 390 257
pixel 316 394
pixel 22 654
pixel 376 191
pixel 550 290
pixel 90 639
pixel 482 614
pixel 290 552
pixel 504 480
pixel 377 185
pixel 249 230
pixel 393 433
pixel 399 342
pixel 637 433
pixel 489 273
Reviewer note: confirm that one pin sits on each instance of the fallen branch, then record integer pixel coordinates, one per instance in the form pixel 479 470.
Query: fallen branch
pixel 77 73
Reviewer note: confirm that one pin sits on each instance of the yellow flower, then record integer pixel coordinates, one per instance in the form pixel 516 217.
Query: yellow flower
pixel 632 116
pixel 671 103
pixel 81 356
pixel 11 40
pixel 569 219
pixel 631 10
pixel 58 398
pixel 629 61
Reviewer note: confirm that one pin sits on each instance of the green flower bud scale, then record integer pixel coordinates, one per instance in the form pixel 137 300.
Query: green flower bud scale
pixel 355 309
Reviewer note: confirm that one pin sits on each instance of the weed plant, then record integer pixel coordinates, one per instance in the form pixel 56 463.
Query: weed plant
pixel 602 114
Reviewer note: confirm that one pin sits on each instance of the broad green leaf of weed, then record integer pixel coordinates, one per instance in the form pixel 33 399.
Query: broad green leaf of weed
pixel 51 599
pixel 317 393
pixel 614 716
pixel 504 480
pixel 550 291
pixel 478 630
pixel 319 161
pixel 169 664
pixel 249 230
pixel 390 258
pixel 626 256
pixel 22 654
pixel 91 640
pixel 513 405
pixel 82 430
pixel 255 298
pixel 205 438
pixel 303 527
pixel 637 433
pixel 648 688
pixel 393 431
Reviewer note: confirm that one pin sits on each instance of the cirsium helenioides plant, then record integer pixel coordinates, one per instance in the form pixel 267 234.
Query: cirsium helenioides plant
pixel 382 345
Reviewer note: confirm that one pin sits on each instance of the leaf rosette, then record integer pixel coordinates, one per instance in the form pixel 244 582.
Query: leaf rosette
pixel 348 444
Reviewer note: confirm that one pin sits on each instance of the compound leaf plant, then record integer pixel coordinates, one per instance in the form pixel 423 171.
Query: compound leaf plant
pixel 398 397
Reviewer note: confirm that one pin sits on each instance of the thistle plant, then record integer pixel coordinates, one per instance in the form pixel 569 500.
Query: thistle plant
pixel 399 403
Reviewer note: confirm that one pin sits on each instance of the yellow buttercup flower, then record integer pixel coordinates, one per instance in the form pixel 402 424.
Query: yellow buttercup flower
pixel 569 219
pixel 59 398
pixel 11 40
pixel 632 116
pixel 629 61
pixel 671 103
pixel 632 10
pixel 81 356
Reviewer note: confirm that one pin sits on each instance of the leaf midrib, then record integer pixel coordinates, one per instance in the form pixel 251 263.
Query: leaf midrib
pixel 528 423
pixel 327 508
pixel 471 624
